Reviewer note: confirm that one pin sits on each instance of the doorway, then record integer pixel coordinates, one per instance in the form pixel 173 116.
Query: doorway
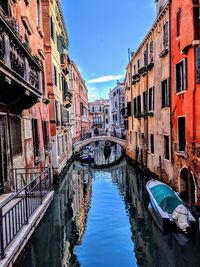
pixel 187 187
pixel 3 153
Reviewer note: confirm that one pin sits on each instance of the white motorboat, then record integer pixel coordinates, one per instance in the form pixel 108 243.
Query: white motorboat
pixel 168 206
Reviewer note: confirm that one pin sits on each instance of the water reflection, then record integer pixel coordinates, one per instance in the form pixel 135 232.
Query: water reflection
pixel 100 218
pixel 99 152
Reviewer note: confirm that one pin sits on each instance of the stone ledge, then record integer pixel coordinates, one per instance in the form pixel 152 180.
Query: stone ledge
pixel 19 242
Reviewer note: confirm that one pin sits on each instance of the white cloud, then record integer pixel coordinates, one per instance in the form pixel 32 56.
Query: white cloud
pixel 108 78
pixel 92 89
pixel 93 95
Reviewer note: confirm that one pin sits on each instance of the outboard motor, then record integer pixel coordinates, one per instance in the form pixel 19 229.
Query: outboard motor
pixel 180 215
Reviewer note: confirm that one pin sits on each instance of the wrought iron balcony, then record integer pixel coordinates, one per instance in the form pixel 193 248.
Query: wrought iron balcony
pixel 20 72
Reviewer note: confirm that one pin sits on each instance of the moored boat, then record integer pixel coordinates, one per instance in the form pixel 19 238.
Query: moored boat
pixel 168 206
pixel 87 155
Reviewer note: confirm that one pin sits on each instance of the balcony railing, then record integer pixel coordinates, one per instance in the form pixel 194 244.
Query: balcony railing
pixel 16 61
pixel 31 187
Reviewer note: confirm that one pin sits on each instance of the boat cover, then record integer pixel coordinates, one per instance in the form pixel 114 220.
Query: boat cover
pixel 165 198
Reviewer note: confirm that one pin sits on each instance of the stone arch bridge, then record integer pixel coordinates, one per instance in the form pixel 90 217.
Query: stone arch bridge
pixel 79 145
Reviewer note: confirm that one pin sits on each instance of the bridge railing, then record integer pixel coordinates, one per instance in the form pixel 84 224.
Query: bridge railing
pixel 86 136
pixel 82 137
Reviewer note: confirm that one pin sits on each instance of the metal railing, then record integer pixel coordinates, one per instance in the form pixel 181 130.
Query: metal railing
pixel 99 133
pixel 16 211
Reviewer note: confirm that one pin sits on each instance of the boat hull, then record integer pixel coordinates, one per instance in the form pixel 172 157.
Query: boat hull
pixel 163 218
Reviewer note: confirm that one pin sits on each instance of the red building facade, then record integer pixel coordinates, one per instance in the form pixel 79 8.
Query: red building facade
pixel 185 98
pixel 24 119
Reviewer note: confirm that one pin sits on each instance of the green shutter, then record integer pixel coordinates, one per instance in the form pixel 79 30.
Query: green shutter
pixel 168 92
pixel 153 97
pixel 185 74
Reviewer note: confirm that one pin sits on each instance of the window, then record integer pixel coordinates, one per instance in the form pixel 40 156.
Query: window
pixel 52 28
pixel 145 58
pixel 139 104
pixel 145 100
pixel 129 109
pixel 16 139
pixel 134 68
pixel 45 131
pixel 136 139
pixel 198 65
pixel 138 64
pixel 59 145
pixel 58 113
pixel 166 146
pixel 38 13
pixel 81 108
pixel 135 105
pixel 36 140
pixel 126 125
pixel 152 143
pixel 165 36
pixel 165 93
pixel 181 134
pixel 180 74
pixel 151 98
pixel 55 80
pixel 106 121
pixel 151 52
pixel 178 22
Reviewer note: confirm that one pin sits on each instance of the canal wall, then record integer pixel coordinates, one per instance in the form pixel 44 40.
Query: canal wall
pixel 17 245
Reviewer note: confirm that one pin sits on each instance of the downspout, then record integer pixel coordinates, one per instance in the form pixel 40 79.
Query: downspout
pixel 131 73
pixel 170 77
pixel 147 119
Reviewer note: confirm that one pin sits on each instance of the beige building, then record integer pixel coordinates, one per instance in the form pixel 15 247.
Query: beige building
pixel 57 69
pixel 147 98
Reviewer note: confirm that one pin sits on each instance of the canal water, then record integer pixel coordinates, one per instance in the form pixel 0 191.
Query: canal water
pixel 99 218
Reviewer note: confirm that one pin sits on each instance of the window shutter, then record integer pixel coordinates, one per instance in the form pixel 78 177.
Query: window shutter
pixel 153 96
pixel 168 92
pixel 175 79
pixel 198 65
pixel 7 50
pixel 53 74
pixel 185 74
pixel 162 95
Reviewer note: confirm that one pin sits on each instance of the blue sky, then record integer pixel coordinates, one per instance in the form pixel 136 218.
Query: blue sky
pixel 100 33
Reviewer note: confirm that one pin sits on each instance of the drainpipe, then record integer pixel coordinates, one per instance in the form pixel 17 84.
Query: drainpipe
pixel 170 91
pixel 131 73
pixel 147 119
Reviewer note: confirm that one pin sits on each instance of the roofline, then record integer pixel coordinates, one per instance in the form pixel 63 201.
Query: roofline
pixel 63 20
pixel 158 18
pixel 77 70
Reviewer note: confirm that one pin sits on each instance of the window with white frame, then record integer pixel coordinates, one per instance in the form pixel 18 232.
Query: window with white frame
pixel 165 93
pixel 151 98
pixel 180 76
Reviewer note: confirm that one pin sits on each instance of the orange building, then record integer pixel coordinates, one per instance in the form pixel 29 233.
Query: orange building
pixel 80 114
pixel 185 86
